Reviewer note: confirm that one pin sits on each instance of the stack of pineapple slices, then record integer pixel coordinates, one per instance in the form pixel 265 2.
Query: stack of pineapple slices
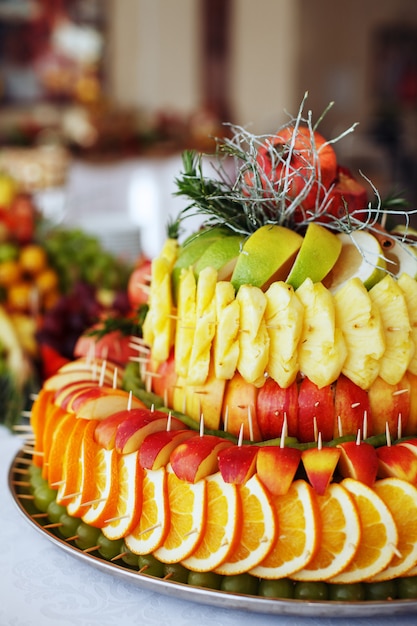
pixel 281 332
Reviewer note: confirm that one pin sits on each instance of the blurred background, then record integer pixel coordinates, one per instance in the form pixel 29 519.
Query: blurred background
pixel 99 97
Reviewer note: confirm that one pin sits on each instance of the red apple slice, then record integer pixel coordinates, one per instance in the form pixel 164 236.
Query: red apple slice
pixel 390 404
pixel 239 407
pixel 398 462
pixel 156 448
pixel 276 467
pixel 351 405
pixel 273 404
pixel 65 394
pixel 139 423
pixel 197 457
pixel 100 402
pixel 164 380
pixel 358 460
pixel 320 464
pixel 237 463
pixel 316 412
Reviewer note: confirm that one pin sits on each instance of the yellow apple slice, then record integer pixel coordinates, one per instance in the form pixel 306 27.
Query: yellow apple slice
pixel 318 254
pixel 361 256
pixel 267 255
pixel 222 255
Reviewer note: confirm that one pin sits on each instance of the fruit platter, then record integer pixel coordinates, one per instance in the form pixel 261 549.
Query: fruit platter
pixel 251 434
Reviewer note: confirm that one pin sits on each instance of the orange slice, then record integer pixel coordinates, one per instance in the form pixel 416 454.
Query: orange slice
pixel 400 497
pixel 85 489
pixel 379 534
pixel 299 531
pixel 187 507
pixel 340 535
pixel 222 520
pixel 127 491
pixel 71 464
pixel 258 529
pixel 60 439
pixel 54 415
pixel 104 476
pixel 152 528
pixel 38 415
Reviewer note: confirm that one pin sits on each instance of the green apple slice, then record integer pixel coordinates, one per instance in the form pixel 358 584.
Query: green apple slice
pixel 361 256
pixel 318 254
pixel 193 248
pixel 266 256
pixel 222 255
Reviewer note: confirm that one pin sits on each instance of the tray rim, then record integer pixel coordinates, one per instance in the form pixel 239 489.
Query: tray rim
pixel 200 595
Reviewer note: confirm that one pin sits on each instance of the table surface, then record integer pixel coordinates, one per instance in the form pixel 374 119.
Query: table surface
pixel 41 584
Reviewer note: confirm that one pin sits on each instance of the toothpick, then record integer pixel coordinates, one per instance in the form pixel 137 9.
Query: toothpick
pixel 116 519
pixel 240 438
pixel 250 423
pixel 387 434
pixel 91 549
pixel 284 431
pixel 226 419
pixel 102 373
pixel 339 426
pixel 115 373
pixel 319 442
pixel 201 425
pixel 129 401
pixel 365 424
pixel 315 428
pixel 169 420
pixel 54 525
pixel 26 414
pixel 399 426
pixel 150 529
pixel 358 437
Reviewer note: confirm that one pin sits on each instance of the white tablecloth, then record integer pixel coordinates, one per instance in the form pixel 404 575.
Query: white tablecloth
pixel 43 585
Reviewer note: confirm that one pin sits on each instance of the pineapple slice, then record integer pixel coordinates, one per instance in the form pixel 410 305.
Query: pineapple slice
pixel 359 319
pixel 205 327
pixel 322 350
pixel 284 321
pixel 170 251
pixel 159 328
pixel 253 337
pixel 226 340
pixel 408 286
pixel 399 346
pixel 185 328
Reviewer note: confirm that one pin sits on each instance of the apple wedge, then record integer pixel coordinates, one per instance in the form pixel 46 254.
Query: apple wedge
pixel 267 255
pixel 138 424
pixel 398 462
pixel 239 407
pixel 100 402
pixel 316 413
pixel 156 448
pixel 351 404
pixel 273 405
pixel 358 460
pixel 64 395
pixel 222 254
pixel 237 463
pixel 276 467
pixel 320 464
pixel 316 257
pixel 197 457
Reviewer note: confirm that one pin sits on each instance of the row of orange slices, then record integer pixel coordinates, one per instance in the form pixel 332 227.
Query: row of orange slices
pixel 352 533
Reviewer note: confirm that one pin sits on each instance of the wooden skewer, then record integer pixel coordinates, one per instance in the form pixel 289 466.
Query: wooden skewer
pixel 365 424
pixel 387 434
pixel 21 483
pixel 150 529
pixel 39 515
pixel 91 549
pixel 284 431
pixel 399 426
pixel 23 428
pixel 54 525
pixel 119 556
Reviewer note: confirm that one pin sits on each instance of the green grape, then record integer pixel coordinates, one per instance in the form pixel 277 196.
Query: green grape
pixel 55 511
pixel 240 583
pixel 87 536
pixel 383 590
pixel 129 557
pixel 109 548
pixel 34 470
pixel 407 587
pixel 149 565
pixel 281 588
pixel 353 592
pixel 43 496
pixel 36 480
pixel 68 526
pixel 176 572
pixel 314 590
pixel 211 580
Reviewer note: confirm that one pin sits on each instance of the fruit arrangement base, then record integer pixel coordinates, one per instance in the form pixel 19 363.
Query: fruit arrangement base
pixel 220 599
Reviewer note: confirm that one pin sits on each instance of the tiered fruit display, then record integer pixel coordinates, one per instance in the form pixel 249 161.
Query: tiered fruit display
pixel 267 432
